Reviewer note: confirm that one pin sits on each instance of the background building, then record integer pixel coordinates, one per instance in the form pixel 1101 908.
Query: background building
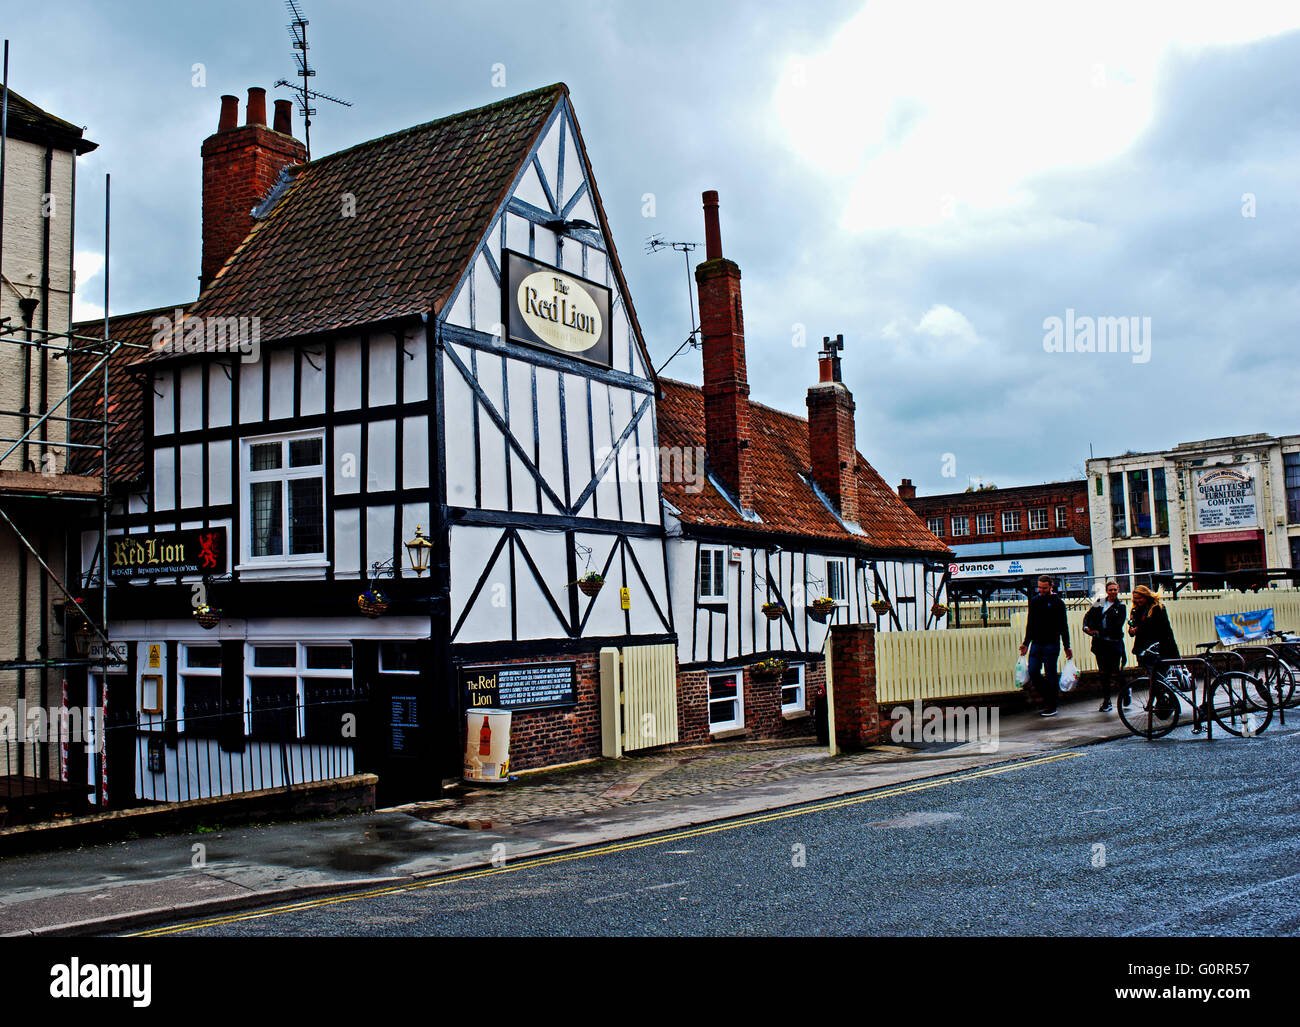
pixel 1003 533
pixel 1211 507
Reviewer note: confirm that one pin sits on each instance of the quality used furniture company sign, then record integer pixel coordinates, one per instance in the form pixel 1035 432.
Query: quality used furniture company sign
pixel 1225 498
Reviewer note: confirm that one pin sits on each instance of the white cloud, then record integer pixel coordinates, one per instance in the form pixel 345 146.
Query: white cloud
pixel 926 110
pixel 87 303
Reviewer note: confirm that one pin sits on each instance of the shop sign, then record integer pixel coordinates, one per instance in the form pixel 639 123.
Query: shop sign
pixel 1006 566
pixel 551 310
pixel 167 553
pixel 1225 499
pixel 520 685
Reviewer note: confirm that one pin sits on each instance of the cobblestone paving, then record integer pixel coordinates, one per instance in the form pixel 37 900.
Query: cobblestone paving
pixel 606 784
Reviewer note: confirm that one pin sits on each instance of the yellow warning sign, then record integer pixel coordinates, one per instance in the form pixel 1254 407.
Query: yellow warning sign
pixel 155 655
pixel 626 596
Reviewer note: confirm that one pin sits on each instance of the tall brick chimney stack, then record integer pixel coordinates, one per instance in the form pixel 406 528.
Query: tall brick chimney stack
pixel 240 165
pixel 726 388
pixel 906 490
pixel 832 439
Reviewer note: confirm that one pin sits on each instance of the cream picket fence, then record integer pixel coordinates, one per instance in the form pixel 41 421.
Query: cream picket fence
pixel 981 661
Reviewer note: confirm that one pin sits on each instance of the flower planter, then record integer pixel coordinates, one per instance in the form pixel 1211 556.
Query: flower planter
pixel 770 671
pixel 821 611
pixel 372 604
pixel 207 616
pixel 772 612
pixel 881 607
pixel 590 586
pixel 938 611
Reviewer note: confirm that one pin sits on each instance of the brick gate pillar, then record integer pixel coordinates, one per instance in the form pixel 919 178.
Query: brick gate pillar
pixel 853 670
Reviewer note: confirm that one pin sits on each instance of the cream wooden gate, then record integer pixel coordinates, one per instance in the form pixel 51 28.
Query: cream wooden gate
pixel 638 698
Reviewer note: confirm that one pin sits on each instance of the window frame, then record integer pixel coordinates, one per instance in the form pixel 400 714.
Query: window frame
pixel 1046 521
pixel 299 671
pixel 801 701
pixel 843 563
pixel 986 518
pixel 1063 517
pixel 1290 473
pixel 964 521
pixel 738 720
pixel 184 670
pixel 714 597
pixel 1010 521
pixel 934 525
pixel 282 474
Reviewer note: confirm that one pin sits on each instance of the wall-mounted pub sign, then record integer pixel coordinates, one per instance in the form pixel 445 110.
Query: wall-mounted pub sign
pixel 551 309
pixel 167 553
pixel 517 685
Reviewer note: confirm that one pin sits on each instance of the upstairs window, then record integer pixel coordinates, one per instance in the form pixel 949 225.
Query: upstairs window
pixel 713 574
pixel 285 497
pixel 1010 521
pixel 934 525
pixel 1062 517
pixel 1038 520
pixel 960 526
pixel 837 580
pixel 984 524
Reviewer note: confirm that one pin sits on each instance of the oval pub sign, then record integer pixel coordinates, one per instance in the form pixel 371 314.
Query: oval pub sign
pixel 550 309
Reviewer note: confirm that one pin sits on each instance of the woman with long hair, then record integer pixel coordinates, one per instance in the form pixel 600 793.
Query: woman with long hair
pixel 1148 624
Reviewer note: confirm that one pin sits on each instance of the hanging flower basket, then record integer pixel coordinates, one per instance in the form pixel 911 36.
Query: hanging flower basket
pixel 591 583
pixel 207 616
pixel 769 668
pixel 882 607
pixel 820 609
pixel 938 611
pixel 774 611
pixel 372 603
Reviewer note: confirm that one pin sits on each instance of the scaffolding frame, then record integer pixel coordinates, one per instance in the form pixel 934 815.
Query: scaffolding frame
pixel 53 345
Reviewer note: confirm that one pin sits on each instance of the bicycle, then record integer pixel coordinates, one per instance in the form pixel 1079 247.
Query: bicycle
pixel 1238 702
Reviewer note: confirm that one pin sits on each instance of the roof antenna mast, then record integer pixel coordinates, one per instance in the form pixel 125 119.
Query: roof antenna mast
pixel 298 32
pixel 653 245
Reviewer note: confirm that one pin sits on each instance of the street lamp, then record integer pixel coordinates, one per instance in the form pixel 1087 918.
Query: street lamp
pixel 418 550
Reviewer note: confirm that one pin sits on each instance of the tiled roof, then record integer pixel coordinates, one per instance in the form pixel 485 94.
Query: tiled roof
pixel 424 197
pixel 783 499
pixel 125 398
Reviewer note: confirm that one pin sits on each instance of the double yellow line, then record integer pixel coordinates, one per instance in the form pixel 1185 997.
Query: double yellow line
pixel 604 850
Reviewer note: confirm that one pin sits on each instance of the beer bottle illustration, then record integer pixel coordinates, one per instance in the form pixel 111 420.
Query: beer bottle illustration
pixel 485 738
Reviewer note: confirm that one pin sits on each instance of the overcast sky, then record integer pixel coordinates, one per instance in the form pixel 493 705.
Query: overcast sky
pixel 934 180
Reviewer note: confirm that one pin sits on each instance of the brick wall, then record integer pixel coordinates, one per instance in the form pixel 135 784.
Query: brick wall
pixel 857 718
pixel 543 738
pixel 832 445
pixel 762 704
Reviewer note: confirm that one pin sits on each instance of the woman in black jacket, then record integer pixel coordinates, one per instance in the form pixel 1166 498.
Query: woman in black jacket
pixel 1104 621
pixel 1153 636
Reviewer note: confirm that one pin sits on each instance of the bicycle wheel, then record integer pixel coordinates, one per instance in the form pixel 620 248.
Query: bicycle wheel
pixel 1240 704
pixel 1156 716
pixel 1277 677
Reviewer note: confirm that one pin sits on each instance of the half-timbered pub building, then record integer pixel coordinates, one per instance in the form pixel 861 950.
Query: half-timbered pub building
pixel 389 468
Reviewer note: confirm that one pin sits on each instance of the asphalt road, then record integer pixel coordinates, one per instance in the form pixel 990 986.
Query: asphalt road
pixel 1175 837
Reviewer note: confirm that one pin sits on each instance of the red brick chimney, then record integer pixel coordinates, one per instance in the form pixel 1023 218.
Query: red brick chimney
pixel 240 165
pixel 726 388
pixel 832 441
pixel 906 490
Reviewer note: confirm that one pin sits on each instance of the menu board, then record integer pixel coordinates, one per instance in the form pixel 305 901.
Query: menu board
pixel 520 685
pixel 404 720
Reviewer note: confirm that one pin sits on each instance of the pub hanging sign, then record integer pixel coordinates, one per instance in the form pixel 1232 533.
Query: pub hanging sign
pixel 164 554
pixel 552 310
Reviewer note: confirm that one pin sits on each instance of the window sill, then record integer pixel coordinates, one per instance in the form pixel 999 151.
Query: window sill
pixel 726 733
pixel 795 714
pixel 297 569
pixel 713 601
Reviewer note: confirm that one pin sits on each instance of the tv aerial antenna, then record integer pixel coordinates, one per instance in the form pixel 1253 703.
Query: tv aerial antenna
pixel 653 245
pixel 298 32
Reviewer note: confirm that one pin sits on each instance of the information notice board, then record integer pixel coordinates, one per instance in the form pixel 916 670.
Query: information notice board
pixel 520 685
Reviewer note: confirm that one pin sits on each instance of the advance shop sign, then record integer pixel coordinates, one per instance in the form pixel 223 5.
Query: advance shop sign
pixel 1007 566
pixel 551 310
pixel 1225 498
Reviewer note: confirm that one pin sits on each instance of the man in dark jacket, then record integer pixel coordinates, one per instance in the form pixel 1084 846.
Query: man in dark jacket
pixel 1046 633
pixel 1104 621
